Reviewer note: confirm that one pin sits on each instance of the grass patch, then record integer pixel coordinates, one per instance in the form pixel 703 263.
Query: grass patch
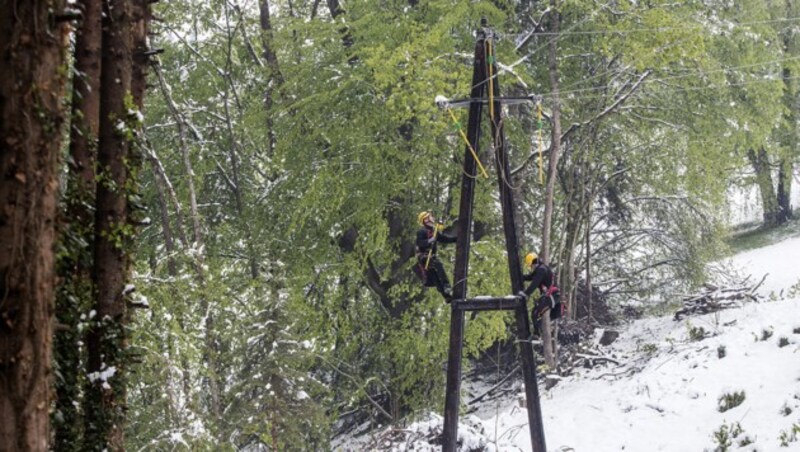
pixel 789 436
pixel 696 333
pixel 649 348
pixel 730 400
pixel 751 236
pixel 727 434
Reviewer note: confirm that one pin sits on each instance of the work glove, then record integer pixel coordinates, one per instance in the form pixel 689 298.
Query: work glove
pixel 431 240
pixel 522 294
pixel 440 227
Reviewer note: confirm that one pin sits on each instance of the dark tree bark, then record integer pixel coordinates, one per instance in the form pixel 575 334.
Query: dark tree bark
pixel 32 80
pixel 790 136
pixel 769 201
pixel 347 39
pixel 784 193
pixel 74 266
pixel 275 79
pixel 140 26
pixel 107 338
pixel 267 41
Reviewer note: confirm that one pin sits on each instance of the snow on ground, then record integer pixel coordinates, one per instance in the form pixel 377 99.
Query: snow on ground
pixel 781 261
pixel 665 394
pixel 672 403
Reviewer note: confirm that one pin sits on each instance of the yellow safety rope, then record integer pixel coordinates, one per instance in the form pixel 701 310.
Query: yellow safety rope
pixel 430 251
pixel 466 140
pixel 541 142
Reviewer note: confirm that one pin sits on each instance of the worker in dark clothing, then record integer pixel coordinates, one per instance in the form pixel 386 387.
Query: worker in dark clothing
pixel 541 278
pixel 429 268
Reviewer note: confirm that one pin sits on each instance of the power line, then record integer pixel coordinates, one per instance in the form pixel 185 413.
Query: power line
pixel 693 88
pixel 689 74
pixel 663 29
pixel 569 32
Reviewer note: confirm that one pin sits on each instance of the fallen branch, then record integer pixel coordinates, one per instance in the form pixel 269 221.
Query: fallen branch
pixel 759 284
pixel 493 388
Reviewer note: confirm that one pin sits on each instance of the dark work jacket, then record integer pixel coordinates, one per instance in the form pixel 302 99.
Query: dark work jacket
pixel 541 278
pixel 423 234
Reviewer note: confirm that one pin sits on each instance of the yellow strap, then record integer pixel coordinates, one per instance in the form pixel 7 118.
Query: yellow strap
pixel 541 143
pixel 430 251
pixel 466 140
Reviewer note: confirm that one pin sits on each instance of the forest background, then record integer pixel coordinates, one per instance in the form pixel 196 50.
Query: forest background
pixel 231 188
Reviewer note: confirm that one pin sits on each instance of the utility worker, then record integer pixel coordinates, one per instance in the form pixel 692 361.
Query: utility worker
pixel 541 278
pixel 429 268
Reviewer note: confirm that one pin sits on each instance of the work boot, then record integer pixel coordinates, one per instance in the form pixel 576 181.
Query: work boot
pixel 447 292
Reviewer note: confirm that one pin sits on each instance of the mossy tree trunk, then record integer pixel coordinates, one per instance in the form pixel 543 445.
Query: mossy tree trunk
pixel 77 228
pixel 32 80
pixel 107 338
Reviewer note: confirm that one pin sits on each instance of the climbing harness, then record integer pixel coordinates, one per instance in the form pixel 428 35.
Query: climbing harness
pixel 430 251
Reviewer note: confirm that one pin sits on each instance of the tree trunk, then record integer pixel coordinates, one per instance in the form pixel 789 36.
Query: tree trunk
pixel 552 57
pixel 588 250
pixel 791 49
pixel 769 201
pixel 140 26
pixel 107 338
pixel 33 72
pixel 347 39
pixel 784 196
pixel 74 266
pixel 209 352
pixel 163 207
pixel 275 78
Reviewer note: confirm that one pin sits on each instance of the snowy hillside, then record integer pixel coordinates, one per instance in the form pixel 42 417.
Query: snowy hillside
pixel 670 389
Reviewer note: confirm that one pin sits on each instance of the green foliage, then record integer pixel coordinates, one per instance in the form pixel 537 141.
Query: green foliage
pixel 649 348
pixel 730 400
pixel 696 333
pixel 789 436
pixel 296 296
pixel 726 436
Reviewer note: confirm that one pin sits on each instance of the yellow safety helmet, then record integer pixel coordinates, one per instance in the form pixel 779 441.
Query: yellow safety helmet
pixel 530 258
pixel 422 216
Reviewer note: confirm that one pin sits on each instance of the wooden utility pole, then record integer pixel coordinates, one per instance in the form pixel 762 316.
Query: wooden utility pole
pixel 486 90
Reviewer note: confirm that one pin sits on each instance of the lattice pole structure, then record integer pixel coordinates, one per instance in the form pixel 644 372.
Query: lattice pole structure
pixel 486 90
